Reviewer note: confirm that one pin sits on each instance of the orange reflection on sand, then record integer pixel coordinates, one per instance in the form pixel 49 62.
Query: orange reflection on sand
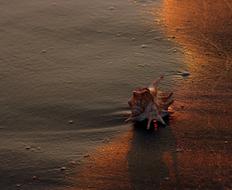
pixel 201 126
pixel 197 20
pixel 203 29
pixel 107 168
pixel 133 160
pixel 202 170
pixel 170 163
pixel 202 118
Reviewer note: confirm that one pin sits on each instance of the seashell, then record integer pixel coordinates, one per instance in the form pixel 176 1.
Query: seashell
pixel 147 103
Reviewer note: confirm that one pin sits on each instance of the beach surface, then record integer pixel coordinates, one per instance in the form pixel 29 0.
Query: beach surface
pixel 67 71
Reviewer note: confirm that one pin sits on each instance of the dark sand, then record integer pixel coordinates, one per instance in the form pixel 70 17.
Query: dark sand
pixel 79 61
pixel 70 60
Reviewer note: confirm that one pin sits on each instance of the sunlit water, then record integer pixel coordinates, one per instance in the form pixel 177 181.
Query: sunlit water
pixel 67 71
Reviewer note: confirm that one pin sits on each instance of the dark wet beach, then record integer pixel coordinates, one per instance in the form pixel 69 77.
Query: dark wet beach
pixel 67 71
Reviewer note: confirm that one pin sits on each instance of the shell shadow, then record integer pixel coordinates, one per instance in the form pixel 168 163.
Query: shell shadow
pixel 146 164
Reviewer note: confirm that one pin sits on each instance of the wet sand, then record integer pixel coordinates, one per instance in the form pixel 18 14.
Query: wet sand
pixel 202 125
pixel 195 151
pixel 67 70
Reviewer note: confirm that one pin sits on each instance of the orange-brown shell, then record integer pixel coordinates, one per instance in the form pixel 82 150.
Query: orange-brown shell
pixel 141 97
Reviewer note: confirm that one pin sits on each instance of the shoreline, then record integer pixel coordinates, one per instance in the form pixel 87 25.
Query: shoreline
pixel 68 69
pixel 162 161
pixel 202 116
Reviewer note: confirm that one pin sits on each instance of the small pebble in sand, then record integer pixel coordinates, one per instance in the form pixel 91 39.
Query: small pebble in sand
pixel 86 156
pixel 33 149
pixel 179 150
pixel 63 168
pixel 79 162
pixel 226 142
pixel 167 178
pixel 44 51
pixel 70 121
pixel 106 140
pixel 28 147
pixel 185 73
pixel 72 162
pixel 144 46
pixel 133 39
pixel 157 20
pixel 112 8
pixel 38 148
pixel 141 65
pixel 34 177
pixel 18 185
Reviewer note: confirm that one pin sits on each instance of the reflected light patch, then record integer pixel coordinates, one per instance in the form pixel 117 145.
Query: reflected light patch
pixel 107 167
